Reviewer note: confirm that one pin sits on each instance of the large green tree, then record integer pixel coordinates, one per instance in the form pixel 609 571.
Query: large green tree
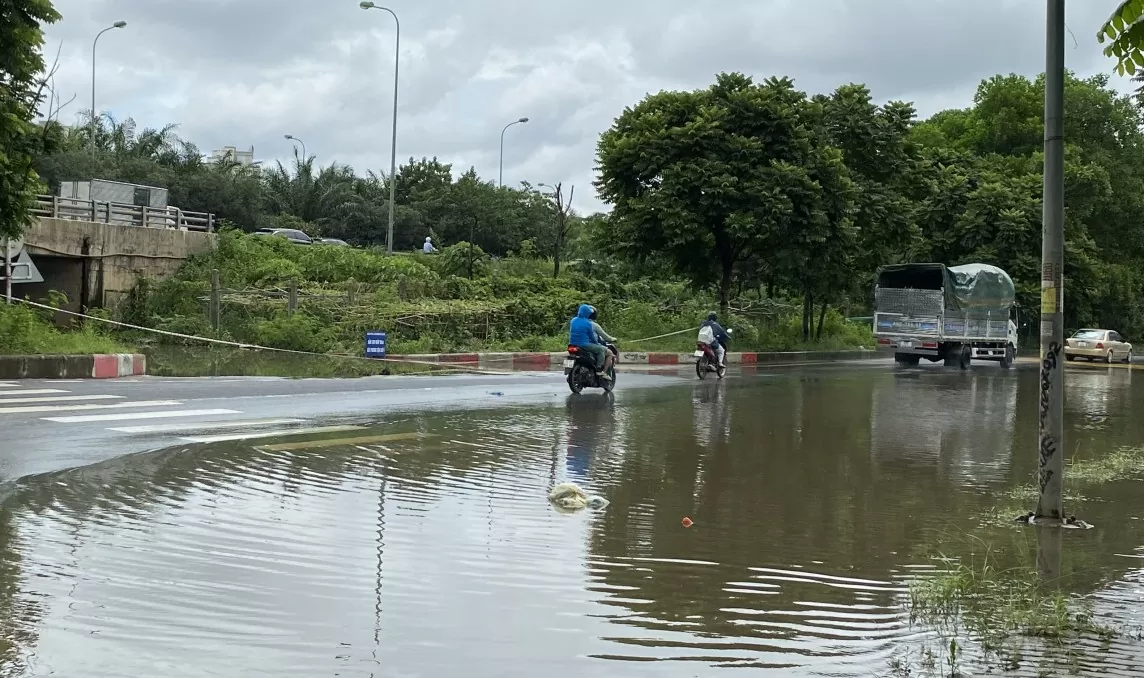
pixel 984 204
pixel 21 93
pixel 714 177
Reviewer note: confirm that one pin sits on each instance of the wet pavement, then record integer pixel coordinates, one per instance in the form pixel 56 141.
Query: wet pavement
pixel 421 543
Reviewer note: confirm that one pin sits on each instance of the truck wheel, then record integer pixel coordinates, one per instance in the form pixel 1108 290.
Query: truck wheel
pixel 952 355
pixel 1009 358
pixel 907 359
pixel 964 357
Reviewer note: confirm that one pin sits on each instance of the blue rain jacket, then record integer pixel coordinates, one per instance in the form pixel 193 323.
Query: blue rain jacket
pixel 580 330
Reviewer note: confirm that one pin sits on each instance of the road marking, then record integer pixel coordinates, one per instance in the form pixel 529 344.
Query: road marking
pixel 8 384
pixel 270 434
pixel 32 391
pixel 139 415
pixel 72 408
pixel 57 399
pixel 175 428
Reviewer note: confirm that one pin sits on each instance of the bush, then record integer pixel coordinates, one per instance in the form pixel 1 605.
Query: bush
pixel 24 331
pixel 427 303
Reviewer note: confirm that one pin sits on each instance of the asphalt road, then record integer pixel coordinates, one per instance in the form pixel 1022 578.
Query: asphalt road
pixel 50 425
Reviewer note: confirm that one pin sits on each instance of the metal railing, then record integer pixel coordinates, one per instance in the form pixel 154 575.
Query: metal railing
pixel 56 207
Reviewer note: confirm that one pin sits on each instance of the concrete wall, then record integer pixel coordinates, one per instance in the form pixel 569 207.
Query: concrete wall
pixel 110 256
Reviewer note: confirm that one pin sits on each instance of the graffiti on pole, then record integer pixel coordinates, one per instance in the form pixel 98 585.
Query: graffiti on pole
pixel 1048 445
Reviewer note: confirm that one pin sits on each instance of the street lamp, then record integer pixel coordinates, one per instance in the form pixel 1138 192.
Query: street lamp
pixel 94 116
pixel 500 174
pixel 291 137
pixel 393 144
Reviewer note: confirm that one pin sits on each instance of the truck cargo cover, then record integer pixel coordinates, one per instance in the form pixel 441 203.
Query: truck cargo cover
pixel 970 287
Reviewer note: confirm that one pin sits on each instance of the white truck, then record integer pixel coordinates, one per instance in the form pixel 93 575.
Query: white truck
pixel 951 313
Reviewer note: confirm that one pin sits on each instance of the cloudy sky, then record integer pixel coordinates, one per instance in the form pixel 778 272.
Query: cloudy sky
pixel 246 72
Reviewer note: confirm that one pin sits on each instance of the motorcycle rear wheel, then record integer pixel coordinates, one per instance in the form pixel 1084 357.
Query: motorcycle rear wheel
pixel 575 382
pixel 701 367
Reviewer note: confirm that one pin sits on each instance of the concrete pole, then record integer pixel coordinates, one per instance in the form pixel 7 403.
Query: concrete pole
pixel 1050 433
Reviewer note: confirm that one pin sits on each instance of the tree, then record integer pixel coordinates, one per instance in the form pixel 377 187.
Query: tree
pixel 22 90
pixel 983 166
pixel 713 177
pixel 562 223
pixel 1125 32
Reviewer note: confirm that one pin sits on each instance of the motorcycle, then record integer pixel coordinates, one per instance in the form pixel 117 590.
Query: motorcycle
pixel 580 369
pixel 706 361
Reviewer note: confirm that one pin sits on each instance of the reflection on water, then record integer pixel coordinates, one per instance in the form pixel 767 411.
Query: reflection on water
pixel 948 422
pixel 435 553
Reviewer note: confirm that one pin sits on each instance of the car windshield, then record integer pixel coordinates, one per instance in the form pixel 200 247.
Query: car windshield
pixel 1089 334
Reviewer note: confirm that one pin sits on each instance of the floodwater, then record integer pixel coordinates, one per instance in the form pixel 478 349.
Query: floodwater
pixel 425 546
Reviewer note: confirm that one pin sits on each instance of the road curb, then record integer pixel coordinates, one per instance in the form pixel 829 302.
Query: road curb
pixel 98 366
pixel 546 360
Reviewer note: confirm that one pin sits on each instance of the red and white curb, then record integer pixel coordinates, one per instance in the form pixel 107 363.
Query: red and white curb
pixel 114 365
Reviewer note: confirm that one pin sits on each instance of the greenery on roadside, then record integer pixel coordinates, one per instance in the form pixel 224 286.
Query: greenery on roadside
pixel 510 304
pixel 743 194
pixel 24 331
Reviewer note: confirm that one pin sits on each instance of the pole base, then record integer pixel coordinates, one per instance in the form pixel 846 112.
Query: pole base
pixel 1070 523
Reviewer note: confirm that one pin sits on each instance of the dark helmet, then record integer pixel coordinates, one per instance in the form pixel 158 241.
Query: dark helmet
pixel 592 315
pixel 711 315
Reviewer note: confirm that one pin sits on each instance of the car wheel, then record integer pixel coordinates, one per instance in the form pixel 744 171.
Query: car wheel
pixel 1128 357
pixel 1108 358
pixel 1070 358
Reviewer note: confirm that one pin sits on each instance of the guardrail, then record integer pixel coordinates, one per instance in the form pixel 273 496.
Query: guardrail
pixel 56 207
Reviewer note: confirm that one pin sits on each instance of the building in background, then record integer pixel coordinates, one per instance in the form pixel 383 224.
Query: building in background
pixel 232 154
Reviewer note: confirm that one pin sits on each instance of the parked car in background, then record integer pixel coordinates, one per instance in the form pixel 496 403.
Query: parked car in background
pixel 331 241
pixel 1104 345
pixel 291 234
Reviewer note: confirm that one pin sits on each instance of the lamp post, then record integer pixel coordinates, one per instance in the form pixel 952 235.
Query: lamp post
pixel 393 142
pixel 500 173
pixel 94 116
pixel 291 137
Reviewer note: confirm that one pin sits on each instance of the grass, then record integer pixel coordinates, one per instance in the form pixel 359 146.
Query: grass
pixel 1124 463
pixel 979 599
pixel 24 331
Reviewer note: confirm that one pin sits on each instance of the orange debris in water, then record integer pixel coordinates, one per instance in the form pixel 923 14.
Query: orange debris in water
pixel 687 522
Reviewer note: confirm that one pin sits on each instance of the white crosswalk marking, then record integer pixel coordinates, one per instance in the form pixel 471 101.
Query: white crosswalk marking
pixel 139 415
pixel 59 399
pixel 30 391
pixel 71 408
pixel 184 427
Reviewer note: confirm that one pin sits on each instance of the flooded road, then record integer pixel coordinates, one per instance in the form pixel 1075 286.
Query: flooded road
pixel 425 546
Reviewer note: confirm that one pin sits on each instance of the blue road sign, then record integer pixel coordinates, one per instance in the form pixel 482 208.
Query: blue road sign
pixel 375 344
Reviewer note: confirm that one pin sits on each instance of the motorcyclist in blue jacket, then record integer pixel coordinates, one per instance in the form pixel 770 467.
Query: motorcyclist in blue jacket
pixel 721 337
pixel 582 334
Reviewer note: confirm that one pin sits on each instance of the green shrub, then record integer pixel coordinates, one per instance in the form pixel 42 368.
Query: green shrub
pixel 24 331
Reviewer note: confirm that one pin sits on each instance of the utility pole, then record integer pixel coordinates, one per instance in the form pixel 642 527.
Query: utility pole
pixel 1050 429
